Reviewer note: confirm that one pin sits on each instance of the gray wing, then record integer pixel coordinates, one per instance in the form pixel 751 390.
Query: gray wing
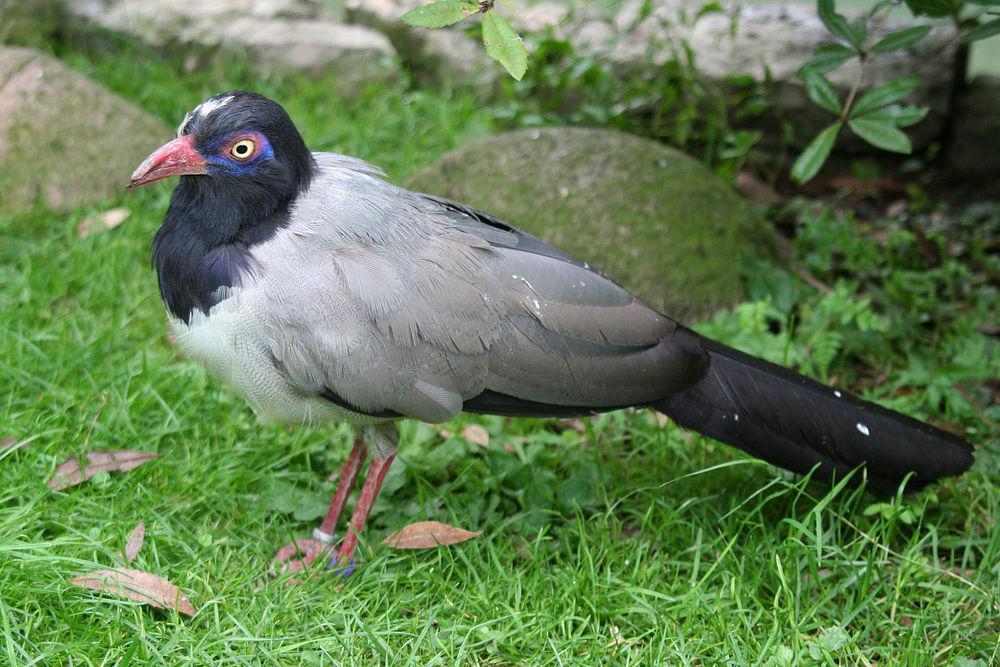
pixel 417 306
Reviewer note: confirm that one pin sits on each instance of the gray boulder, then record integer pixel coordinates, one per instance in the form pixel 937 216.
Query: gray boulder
pixel 356 56
pixel 277 34
pixel 65 141
pixel 647 215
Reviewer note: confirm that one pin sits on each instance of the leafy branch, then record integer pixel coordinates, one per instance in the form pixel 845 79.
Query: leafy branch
pixel 875 116
pixel 502 42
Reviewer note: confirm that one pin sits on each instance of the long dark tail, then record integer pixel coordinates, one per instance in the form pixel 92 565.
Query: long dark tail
pixel 796 423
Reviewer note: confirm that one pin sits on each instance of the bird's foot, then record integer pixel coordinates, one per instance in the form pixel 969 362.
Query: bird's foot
pixel 307 550
pixel 341 569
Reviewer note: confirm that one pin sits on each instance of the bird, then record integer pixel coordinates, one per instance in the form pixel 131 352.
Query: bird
pixel 323 293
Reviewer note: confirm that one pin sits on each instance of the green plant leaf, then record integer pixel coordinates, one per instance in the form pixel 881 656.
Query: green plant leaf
pixel 858 27
pixel 900 116
pixel 982 31
pixel 985 3
pixel 834 22
pixel 815 154
pixel 827 58
pixel 933 7
pixel 504 45
pixel 885 94
pixel 901 39
pixel 881 133
pixel 439 14
pixel 821 91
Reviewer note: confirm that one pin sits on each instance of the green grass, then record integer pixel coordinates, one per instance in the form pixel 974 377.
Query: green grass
pixel 686 551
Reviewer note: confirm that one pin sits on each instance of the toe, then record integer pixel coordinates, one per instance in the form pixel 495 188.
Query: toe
pixel 299 554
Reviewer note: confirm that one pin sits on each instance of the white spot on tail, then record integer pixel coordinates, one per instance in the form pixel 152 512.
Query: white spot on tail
pixel 862 429
pixel 837 393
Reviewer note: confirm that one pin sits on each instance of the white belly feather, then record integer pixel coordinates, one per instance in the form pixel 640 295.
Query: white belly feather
pixel 230 343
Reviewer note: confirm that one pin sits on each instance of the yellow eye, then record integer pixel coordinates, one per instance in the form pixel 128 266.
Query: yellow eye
pixel 243 149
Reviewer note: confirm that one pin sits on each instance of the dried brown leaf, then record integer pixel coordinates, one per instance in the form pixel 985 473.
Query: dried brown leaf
pixel 137 585
pixel 70 473
pixel 428 535
pixel 134 542
pixel 102 222
pixel 476 435
pixel 616 637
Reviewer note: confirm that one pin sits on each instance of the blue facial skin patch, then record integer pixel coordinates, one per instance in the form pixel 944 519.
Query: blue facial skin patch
pixel 231 166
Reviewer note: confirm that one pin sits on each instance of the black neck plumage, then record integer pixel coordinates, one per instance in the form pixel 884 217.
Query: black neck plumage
pixel 202 249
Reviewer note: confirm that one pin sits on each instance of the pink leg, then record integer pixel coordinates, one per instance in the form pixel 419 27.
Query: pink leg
pixel 348 478
pixel 369 492
pixel 311 549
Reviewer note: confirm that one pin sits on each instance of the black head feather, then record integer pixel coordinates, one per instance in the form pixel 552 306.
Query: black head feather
pixel 213 219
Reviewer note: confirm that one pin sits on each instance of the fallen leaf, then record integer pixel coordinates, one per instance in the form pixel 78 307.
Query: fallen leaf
pixel 102 222
pixel 476 435
pixel 134 542
pixel 137 585
pixel 428 535
pixel 70 473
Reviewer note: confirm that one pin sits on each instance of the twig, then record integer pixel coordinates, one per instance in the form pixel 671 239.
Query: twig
pixel 863 57
pixel 812 281
pixel 93 422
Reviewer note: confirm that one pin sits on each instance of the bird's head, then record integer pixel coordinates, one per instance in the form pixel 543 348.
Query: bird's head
pixel 238 142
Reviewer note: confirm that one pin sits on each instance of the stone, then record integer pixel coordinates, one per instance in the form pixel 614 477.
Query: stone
pixel 160 22
pixel 277 34
pixel 65 140
pixel 652 218
pixel 775 40
pixel 452 58
pixel 355 56
pixel 442 57
pixel 973 148
pixel 779 39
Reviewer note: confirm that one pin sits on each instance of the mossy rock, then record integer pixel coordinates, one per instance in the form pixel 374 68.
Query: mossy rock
pixel 649 216
pixel 65 141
